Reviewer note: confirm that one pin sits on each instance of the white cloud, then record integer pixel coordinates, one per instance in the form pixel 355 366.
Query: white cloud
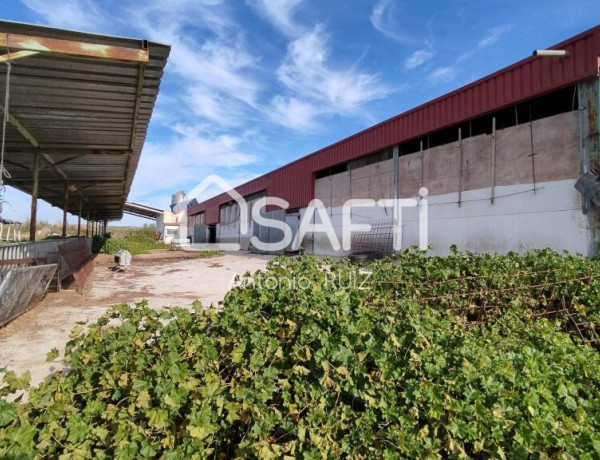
pixel 490 38
pixel 417 59
pixel 215 107
pixel 280 13
pixel 294 113
pixel 220 62
pixel 442 75
pixel 225 67
pixel 70 14
pixel 380 17
pixel 168 17
pixel 187 157
pixel 306 72
pixel 384 18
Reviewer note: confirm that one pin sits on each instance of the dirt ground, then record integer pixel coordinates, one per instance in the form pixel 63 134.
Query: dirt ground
pixel 164 278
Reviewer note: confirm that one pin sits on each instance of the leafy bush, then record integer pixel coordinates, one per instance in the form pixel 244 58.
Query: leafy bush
pixel 307 360
pixel 147 230
pixel 134 244
pixel 97 243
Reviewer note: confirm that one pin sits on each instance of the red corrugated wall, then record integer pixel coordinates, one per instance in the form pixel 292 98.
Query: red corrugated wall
pixel 524 80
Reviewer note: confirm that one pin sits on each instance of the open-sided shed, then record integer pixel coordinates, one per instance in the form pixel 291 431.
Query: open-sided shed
pixel 79 110
pixel 141 210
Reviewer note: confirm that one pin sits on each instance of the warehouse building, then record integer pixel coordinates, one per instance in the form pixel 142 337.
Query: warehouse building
pixel 500 159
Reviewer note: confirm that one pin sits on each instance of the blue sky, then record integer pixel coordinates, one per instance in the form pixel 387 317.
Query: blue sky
pixel 252 85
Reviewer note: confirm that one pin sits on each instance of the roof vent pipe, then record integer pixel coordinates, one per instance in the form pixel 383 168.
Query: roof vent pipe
pixel 550 53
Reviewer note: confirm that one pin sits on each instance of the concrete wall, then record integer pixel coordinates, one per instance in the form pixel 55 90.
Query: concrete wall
pixel 371 181
pixel 535 206
pixel 519 220
pixel 228 233
pixel 319 243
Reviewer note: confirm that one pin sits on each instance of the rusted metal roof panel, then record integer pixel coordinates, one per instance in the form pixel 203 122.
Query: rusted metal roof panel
pixel 526 79
pixel 89 115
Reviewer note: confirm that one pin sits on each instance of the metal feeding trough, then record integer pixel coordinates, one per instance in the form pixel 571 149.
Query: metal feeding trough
pixel 365 256
pixel 123 260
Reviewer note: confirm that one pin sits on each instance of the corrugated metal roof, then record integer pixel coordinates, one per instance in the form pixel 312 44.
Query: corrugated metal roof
pixel 141 210
pixel 90 117
pixel 526 79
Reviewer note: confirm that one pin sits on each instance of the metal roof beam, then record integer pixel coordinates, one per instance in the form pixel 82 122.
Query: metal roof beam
pixel 32 140
pixel 50 161
pixel 131 213
pixel 134 122
pixel 19 127
pixel 66 160
pixel 71 181
pixel 17 55
pixel 73 48
pixel 82 152
pixel 17 165
pixel 130 204
pixel 65 147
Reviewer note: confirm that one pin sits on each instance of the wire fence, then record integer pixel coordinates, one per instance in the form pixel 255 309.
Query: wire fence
pixel 480 299
pixel 22 288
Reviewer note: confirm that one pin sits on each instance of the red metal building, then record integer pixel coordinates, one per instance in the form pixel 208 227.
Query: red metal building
pixel 525 80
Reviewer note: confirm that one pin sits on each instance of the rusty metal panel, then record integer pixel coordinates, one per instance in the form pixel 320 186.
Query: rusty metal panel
pixel 90 114
pixel 526 79
pixel 76 258
pixel 21 288
pixel 27 42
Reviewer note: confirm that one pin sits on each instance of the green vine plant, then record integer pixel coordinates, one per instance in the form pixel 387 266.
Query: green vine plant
pixel 465 356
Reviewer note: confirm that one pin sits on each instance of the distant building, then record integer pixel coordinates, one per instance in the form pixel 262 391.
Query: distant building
pixel 168 224
pixel 171 225
pixel 10 230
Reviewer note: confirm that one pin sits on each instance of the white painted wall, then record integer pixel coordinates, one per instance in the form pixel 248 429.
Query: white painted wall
pixel 167 222
pixel 170 233
pixel 518 220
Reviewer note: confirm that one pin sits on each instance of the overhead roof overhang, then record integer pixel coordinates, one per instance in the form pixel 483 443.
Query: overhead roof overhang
pixel 83 102
pixel 141 210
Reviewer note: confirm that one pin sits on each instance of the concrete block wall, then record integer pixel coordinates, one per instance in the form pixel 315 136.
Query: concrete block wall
pixel 556 144
pixel 476 167
pixel 368 182
pixel 535 206
pixel 410 174
pixel 440 169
